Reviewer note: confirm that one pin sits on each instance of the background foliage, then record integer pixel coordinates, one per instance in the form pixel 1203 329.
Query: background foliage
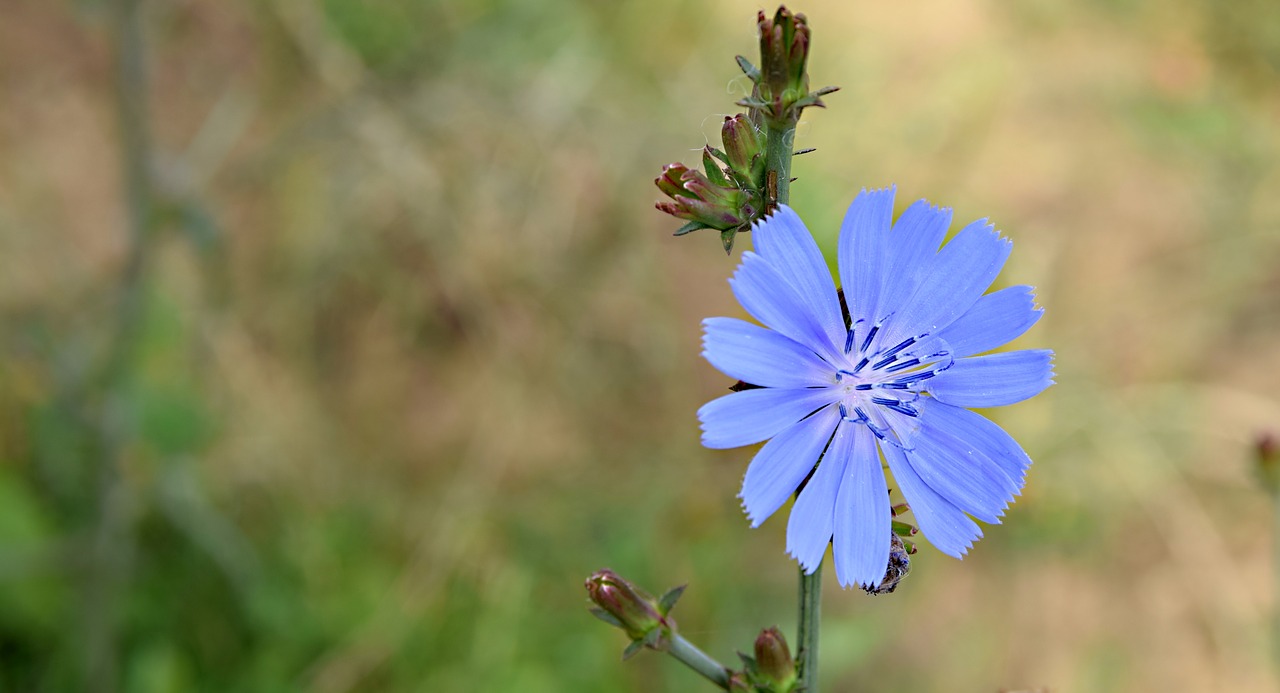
pixel 411 352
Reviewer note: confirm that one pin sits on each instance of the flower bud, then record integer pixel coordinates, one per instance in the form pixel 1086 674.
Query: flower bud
pixel 631 608
pixel 706 204
pixel 781 83
pixel 744 150
pixel 1266 451
pixel 775 671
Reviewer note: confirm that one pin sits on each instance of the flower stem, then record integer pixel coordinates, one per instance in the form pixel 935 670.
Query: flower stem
pixel 778 151
pixel 1275 577
pixel 699 661
pixel 779 146
pixel 807 647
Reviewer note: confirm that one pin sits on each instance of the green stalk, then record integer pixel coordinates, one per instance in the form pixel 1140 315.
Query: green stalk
pixel 109 543
pixel 1275 578
pixel 778 151
pixel 699 661
pixel 779 146
pixel 807 642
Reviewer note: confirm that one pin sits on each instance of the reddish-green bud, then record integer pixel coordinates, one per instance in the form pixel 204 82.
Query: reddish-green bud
pixel 621 604
pixel 705 204
pixel 781 83
pixel 631 608
pixel 744 150
pixel 1266 452
pixel 775 670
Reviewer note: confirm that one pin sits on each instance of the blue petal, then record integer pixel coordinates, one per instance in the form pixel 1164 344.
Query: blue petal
pixel 994 380
pixel 954 280
pixel 995 320
pixel 861 252
pixel 983 433
pixel 750 416
pixel 863 521
pixel 762 357
pixel 961 472
pixel 770 298
pixel 813 516
pixel 784 242
pixel 913 242
pixel 943 524
pixel 783 463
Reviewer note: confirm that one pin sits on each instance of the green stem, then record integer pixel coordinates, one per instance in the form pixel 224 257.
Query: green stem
pixel 779 143
pixel 699 661
pixel 807 641
pixel 1275 577
pixel 779 147
pixel 109 544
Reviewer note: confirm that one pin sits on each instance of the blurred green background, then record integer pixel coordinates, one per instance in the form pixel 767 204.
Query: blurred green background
pixel 399 350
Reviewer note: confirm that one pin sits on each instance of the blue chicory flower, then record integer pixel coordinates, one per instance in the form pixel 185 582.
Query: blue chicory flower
pixel 892 377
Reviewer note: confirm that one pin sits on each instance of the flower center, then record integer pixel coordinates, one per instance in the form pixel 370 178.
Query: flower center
pixel 876 380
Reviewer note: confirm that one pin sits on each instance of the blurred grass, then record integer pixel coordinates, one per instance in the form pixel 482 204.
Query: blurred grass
pixel 417 355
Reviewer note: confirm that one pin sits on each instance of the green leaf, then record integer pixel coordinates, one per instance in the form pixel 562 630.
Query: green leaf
pixel 690 228
pixel 632 649
pixel 606 617
pixel 668 600
pixel 747 68
pixel 726 238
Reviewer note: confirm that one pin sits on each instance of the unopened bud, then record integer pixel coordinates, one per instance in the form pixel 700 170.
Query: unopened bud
pixel 775 669
pixel 1266 455
pixel 707 203
pixel 781 89
pixel 621 604
pixel 744 150
pixel 632 609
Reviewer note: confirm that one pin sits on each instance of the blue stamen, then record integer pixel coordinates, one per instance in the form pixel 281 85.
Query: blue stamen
pixel 863 386
pixel 892 386
pixel 904 344
pixel 844 372
pixel 870 336
pixel 883 362
pixel 914 378
pixel 904 365
pixel 903 408
pixel 861 364
pixel 848 341
pixel 884 400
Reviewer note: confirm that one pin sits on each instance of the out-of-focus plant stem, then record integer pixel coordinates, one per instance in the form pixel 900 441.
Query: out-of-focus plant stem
pixel 778 151
pixel 110 546
pixel 1275 580
pixel 699 661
